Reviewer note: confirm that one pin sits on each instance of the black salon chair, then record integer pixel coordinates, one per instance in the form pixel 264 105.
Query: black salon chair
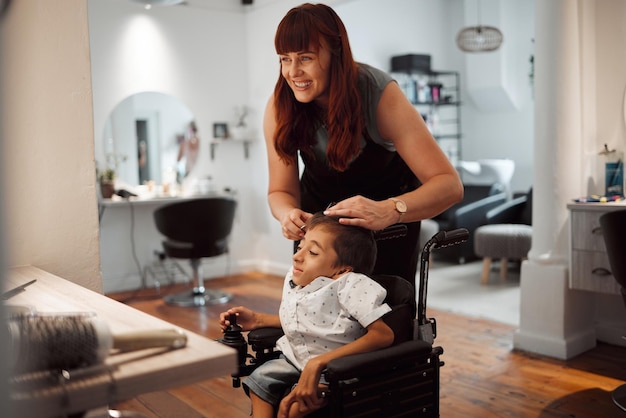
pixel 469 214
pixel 614 232
pixel 398 381
pixel 196 229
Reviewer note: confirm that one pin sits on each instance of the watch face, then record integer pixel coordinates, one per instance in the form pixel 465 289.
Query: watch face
pixel 400 206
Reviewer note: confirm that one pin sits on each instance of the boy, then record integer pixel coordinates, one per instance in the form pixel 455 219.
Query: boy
pixel 329 309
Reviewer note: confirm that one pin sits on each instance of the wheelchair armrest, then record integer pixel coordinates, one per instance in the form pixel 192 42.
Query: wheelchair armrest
pixel 378 361
pixel 264 338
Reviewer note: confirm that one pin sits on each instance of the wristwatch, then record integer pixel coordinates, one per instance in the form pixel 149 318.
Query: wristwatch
pixel 400 207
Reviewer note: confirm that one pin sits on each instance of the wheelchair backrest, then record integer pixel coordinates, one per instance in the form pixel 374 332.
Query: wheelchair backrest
pixel 399 291
pixel 401 299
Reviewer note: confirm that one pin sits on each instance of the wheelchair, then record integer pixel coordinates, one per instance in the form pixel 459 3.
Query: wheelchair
pixel 401 380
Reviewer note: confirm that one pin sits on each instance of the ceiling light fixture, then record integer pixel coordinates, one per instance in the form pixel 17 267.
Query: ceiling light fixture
pixel 479 38
pixel 149 3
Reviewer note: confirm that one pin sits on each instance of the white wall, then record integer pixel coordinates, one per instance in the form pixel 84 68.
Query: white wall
pixel 603 71
pixel 430 27
pixel 236 64
pixel 505 131
pixel 5 405
pixel 198 56
pixel 604 122
pixel 48 140
pixel 379 30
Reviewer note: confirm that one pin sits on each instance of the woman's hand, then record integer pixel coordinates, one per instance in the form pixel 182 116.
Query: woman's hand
pixel 364 212
pixel 293 222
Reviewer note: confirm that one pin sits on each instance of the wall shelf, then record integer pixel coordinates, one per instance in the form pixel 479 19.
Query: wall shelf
pixel 218 141
pixel 437 96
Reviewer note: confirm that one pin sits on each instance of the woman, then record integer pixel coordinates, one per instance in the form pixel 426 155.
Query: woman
pixel 189 149
pixel 366 150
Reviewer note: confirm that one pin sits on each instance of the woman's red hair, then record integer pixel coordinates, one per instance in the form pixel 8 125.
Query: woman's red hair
pixel 311 25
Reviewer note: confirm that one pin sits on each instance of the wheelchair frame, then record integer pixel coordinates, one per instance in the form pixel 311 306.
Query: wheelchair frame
pixel 399 381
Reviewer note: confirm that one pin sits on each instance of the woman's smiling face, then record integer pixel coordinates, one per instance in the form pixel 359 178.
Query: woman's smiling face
pixel 307 73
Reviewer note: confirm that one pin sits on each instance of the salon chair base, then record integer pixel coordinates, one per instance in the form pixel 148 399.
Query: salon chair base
pixel 197 297
pixel 619 397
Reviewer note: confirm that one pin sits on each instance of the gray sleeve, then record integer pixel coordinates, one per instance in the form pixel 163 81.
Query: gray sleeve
pixel 372 82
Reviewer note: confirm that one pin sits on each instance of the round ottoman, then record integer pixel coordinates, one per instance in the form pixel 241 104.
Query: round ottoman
pixel 501 241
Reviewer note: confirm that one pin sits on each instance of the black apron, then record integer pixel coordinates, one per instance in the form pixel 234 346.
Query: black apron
pixel 377 174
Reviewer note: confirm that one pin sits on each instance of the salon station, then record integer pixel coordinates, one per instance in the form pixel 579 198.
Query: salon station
pixel 153 150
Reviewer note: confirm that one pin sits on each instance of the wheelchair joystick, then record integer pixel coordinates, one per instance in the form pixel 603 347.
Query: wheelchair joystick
pixel 234 339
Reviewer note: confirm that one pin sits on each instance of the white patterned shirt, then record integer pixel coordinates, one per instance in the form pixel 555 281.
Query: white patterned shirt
pixel 327 314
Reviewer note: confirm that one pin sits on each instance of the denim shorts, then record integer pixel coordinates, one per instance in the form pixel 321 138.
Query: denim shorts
pixel 272 380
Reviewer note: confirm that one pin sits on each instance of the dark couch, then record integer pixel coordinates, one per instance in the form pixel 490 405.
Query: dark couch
pixel 470 213
pixel 518 210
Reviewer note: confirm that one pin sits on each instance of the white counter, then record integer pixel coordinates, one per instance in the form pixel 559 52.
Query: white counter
pixel 129 240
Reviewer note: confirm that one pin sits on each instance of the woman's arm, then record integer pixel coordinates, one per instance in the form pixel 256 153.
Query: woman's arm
pixel 399 122
pixel 441 186
pixel 284 184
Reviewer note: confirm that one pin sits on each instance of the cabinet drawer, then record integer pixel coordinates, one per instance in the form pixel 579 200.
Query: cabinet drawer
pixel 586 231
pixel 590 270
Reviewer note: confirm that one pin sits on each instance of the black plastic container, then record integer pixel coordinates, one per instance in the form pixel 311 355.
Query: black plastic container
pixel 410 63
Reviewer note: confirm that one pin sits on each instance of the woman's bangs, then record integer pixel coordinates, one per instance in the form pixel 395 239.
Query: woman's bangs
pixel 295 35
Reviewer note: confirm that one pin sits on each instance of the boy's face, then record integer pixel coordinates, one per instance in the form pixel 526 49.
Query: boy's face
pixel 315 257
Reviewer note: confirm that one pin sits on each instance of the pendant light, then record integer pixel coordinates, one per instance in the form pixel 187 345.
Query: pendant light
pixel 479 38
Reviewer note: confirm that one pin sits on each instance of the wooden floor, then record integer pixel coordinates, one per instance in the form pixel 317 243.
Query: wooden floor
pixel 483 376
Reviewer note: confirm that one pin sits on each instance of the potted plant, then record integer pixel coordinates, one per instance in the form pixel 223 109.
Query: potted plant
pixel 107 183
pixel 240 129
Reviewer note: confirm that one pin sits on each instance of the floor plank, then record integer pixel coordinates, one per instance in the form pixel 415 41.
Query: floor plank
pixel 483 375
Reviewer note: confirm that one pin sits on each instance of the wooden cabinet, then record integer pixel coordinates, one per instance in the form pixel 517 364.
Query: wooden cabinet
pixel 589 263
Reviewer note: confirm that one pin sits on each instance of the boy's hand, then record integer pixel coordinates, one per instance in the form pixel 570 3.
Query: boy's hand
pixel 300 402
pixel 304 397
pixel 246 318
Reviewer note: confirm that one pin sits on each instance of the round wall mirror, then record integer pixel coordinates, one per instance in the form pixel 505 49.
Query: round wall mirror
pixel 150 136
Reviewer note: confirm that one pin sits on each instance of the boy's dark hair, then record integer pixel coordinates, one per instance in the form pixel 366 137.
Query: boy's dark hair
pixel 355 246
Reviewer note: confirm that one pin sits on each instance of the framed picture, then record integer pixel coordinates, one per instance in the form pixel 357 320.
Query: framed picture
pixel 220 130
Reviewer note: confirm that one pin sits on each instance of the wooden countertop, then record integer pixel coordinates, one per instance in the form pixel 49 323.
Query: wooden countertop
pixel 129 374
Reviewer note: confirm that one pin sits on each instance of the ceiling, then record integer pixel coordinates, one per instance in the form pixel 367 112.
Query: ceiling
pixel 234 5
